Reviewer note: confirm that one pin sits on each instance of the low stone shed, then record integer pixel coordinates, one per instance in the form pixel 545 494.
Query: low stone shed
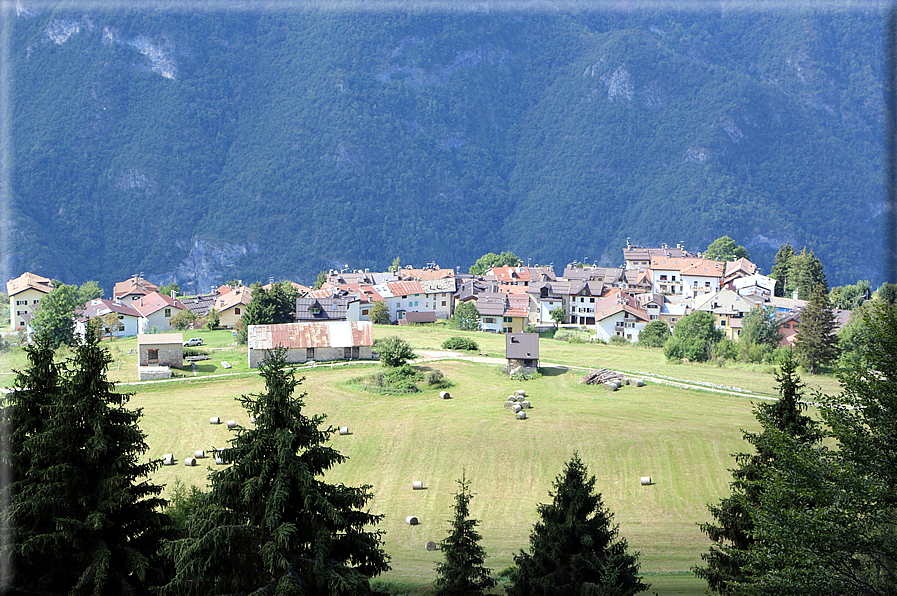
pixel 338 340
pixel 157 353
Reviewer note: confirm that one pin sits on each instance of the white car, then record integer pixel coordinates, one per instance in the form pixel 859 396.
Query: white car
pixel 193 341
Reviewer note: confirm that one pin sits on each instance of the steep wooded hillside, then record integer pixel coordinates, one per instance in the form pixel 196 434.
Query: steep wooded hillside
pixel 254 143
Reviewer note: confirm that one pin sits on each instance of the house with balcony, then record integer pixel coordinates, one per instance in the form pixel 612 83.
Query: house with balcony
pixel 619 314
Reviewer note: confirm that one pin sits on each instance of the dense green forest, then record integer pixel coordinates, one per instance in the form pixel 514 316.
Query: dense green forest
pixel 199 147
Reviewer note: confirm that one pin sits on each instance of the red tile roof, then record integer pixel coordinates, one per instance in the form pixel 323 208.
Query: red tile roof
pixel 135 286
pixel 404 288
pixel 155 302
pixel 26 281
pixel 518 305
pixel 236 297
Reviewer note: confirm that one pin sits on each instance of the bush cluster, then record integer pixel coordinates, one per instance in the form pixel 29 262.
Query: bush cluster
pixel 460 343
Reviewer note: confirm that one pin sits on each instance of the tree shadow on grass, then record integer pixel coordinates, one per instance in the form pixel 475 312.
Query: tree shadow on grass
pixel 552 371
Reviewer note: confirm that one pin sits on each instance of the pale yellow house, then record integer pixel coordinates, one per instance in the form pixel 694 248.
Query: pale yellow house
pixel 232 305
pixel 24 293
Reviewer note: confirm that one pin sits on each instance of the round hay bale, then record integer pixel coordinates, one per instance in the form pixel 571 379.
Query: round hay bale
pixel 412 520
pixel 646 481
pixel 639 383
pixel 626 381
pixel 199 454
pixel 526 405
pixel 512 398
pixel 520 392
pixel 516 408
pixel 521 415
pixel 611 386
pixel 344 430
pixel 509 404
pixel 219 459
pixel 417 485
pixel 231 424
pixel 214 420
pixel 431 546
pixel 190 461
pixel 444 395
pixel 168 459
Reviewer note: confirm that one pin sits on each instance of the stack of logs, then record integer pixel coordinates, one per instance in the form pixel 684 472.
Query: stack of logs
pixel 611 379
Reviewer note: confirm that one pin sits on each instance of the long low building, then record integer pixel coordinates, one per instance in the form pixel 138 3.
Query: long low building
pixel 337 340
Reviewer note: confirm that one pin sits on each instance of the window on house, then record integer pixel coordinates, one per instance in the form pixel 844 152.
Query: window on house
pixel 489 320
pixel 237 310
pixel 507 319
pixel 443 303
pixel 591 301
pixel 722 323
pixel 35 301
pixel 167 312
pixel 309 353
pixel 663 278
pixel 365 312
pixel 706 284
pixel 152 354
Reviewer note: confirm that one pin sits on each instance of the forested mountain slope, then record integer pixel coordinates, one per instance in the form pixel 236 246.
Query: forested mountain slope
pixel 253 143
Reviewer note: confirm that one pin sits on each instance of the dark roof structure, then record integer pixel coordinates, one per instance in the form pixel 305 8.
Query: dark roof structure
pixel 321 309
pixel 522 346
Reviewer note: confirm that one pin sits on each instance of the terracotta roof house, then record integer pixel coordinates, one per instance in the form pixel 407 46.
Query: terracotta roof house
pixel 133 288
pixel 24 294
pixel 619 314
pixel 725 305
pixel 230 306
pixel 687 277
pixel 425 274
pixel 738 268
pixel 518 276
pixel 319 341
pixel 156 311
pixel 128 318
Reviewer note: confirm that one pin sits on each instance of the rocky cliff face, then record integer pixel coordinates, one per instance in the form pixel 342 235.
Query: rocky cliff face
pixel 207 265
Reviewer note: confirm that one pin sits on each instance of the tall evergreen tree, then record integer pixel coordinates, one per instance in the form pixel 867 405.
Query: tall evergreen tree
pixel 25 514
pixel 463 572
pixel 575 548
pixel 82 500
pixel 836 534
pixel 732 528
pixel 817 343
pixel 780 268
pixel 270 524
pixel 804 274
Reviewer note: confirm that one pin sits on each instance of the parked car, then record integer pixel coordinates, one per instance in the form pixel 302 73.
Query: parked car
pixel 193 341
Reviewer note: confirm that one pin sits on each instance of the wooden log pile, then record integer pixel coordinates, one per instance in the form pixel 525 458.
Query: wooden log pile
pixel 602 375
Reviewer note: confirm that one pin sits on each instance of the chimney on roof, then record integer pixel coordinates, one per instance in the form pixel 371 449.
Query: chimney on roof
pixel 794 295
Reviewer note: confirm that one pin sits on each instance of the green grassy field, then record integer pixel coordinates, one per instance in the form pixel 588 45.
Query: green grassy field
pixel 682 438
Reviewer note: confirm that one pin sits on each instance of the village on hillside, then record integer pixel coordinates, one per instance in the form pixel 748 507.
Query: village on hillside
pixel 333 321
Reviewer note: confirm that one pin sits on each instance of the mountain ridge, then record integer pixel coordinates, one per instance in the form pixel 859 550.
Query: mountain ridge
pixel 203 147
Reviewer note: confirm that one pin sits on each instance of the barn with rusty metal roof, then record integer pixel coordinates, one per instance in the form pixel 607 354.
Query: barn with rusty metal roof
pixel 319 341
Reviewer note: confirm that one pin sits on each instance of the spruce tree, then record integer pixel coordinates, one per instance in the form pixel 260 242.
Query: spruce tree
pixel 82 500
pixel 270 524
pixel 732 528
pixel 817 343
pixel 462 572
pixel 780 268
pixel 575 548
pixel 26 512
